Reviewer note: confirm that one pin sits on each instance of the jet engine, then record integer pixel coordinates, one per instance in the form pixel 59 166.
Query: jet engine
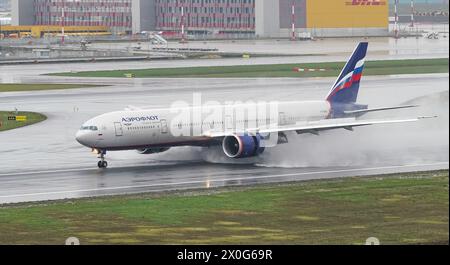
pixel 241 146
pixel 147 151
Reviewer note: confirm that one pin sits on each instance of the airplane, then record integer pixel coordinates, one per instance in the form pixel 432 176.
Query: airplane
pixel 151 131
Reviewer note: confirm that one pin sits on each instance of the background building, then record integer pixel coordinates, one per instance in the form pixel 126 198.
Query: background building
pixel 203 17
pixel 425 11
pixel 261 18
pixel 5 15
pixel 116 14
pixel 5 5
pixel 274 18
pixel 328 18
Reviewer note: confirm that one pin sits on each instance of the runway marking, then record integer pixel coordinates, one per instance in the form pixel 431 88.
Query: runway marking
pixel 45 171
pixel 77 170
pixel 222 180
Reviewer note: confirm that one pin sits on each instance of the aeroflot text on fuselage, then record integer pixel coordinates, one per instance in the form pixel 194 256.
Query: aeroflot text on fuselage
pixel 146 118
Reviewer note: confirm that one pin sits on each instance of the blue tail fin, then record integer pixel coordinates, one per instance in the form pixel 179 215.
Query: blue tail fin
pixel 345 89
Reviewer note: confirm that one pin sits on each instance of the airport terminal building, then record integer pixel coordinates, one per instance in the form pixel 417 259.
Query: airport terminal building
pixel 260 18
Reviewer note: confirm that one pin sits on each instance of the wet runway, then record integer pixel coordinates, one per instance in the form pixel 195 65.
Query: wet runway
pixel 90 182
pixel 44 161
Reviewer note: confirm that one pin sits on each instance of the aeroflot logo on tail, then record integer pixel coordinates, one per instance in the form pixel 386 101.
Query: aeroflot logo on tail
pixel 366 3
pixel 146 118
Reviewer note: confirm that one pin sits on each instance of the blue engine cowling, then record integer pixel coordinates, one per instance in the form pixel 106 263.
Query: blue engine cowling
pixel 241 146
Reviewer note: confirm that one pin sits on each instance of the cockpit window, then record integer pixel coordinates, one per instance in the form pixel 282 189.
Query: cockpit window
pixel 89 128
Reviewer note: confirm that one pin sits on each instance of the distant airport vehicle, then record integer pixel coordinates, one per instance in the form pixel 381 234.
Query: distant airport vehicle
pixel 152 131
pixel 84 44
pixel 432 35
pixel 305 36
pixel 155 37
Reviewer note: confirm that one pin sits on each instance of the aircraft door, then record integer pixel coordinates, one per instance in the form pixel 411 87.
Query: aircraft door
pixel 118 128
pixel 229 123
pixel 282 118
pixel 164 128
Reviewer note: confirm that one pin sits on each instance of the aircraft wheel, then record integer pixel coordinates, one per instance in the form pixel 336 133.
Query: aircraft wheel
pixel 102 164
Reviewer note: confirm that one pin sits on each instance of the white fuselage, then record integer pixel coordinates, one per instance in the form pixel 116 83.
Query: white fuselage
pixel 136 129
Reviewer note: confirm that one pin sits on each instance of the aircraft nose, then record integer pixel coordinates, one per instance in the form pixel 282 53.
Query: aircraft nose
pixel 82 137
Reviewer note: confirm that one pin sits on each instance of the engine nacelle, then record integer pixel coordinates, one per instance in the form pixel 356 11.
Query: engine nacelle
pixel 241 146
pixel 147 151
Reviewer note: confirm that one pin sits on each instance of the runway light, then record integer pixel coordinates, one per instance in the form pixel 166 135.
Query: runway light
pixel 208 184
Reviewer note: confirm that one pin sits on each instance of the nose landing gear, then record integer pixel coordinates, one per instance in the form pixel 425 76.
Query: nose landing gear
pixel 102 163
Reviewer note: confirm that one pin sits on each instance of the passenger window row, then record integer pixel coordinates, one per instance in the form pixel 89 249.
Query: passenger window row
pixel 134 128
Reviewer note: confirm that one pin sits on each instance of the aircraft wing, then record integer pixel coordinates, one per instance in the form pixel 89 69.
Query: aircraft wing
pixel 364 111
pixel 315 127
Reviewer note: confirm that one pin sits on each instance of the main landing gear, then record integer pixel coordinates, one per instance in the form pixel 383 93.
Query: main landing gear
pixel 102 163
